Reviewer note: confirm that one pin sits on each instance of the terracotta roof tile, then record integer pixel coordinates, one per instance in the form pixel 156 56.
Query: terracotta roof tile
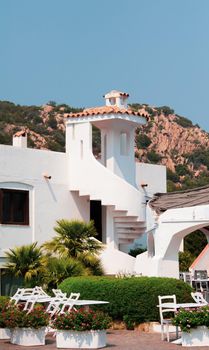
pixel 115 93
pixel 106 110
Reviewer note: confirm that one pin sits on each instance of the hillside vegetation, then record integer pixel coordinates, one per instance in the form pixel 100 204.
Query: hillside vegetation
pixel 167 139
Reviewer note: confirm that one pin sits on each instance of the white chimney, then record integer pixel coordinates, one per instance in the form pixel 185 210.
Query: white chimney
pixel 20 139
pixel 116 98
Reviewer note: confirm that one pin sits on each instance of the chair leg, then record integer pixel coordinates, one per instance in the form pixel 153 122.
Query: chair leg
pixel 162 332
pixel 167 332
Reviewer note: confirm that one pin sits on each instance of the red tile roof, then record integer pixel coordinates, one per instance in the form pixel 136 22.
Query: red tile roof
pixel 106 110
pixel 115 93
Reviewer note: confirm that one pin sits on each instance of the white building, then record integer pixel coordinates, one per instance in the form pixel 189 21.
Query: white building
pixel 38 187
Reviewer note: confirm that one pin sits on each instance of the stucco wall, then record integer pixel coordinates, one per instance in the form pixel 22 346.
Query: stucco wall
pixel 50 200
pixel 154 176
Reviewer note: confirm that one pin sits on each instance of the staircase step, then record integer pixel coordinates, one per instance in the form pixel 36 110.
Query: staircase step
pixel 125 218
pixel 126 230
pixel 128 236
pixel 119 213
pixel 138 224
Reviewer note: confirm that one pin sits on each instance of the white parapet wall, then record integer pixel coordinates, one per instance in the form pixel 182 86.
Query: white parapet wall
pixel 116 262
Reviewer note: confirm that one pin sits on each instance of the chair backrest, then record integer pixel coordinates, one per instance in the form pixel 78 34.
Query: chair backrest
pixel 198 298
pixel 200 274
pixel 68 305
pixel 58 293
pixel 39 291
pixel 74 296
pixel 163 308
pixel 17 295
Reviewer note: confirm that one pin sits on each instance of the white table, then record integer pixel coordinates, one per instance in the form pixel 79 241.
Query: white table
pixel 89 302
pixel 181 305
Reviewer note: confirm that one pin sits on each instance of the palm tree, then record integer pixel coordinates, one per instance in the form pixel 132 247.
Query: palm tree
pixel 58 269
pixel 73 238
pixel 76 239
pixel 25 261
pixel 92 263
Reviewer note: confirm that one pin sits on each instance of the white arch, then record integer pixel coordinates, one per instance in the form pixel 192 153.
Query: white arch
pixel 169 230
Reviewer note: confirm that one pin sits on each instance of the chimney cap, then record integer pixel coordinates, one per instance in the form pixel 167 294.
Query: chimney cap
pixel 22 133
pixel 115 93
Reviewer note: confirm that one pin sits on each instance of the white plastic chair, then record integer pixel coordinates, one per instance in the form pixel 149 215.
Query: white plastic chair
pixel 54 305
pixel 37 293
pixel 198 298
pixel 68 305
pixel 163 309
pixel 21 292
pixel 58 293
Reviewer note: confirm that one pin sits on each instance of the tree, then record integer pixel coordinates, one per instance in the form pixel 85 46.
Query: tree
pixel 92 263
pixel 185 260
pixel 73 238
pixel 25 261
pixel 58 269
pixel 195 242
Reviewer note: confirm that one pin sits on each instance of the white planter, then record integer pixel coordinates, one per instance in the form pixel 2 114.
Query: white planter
pixel 78 340
pixel 28 336
pixel 197 337
pixel 5 333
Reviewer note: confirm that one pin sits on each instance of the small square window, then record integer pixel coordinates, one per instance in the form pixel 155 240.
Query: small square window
pixel 14 207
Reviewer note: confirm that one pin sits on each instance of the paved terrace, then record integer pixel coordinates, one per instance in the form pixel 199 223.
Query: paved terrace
pixel 116 340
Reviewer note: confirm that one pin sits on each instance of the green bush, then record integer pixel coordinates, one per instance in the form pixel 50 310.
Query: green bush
pixel 133 299
pixel 181 169
pixel 4 304
pixel 142 141
pixel 165 110
pixel 186 123
pixel 153 156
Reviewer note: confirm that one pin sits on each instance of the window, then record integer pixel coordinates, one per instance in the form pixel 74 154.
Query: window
pixel 112 101
pixel 123 144
pixel 14 207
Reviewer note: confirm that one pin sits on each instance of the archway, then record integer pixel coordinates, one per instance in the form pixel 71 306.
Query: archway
pixel 168 230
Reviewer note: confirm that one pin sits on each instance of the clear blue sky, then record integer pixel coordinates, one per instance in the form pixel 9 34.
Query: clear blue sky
pixel 74 51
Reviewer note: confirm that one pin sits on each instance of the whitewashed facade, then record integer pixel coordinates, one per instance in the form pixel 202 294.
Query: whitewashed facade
pixel 67 185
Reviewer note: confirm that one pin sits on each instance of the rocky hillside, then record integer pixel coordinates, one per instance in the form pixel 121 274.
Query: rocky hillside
pixel 167 139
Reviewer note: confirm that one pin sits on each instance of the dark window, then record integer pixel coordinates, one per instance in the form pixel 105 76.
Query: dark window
pixel 14 207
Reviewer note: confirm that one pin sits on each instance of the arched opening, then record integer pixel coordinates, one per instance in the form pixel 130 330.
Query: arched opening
pixel 96 142
pixel 171 252
pixel 193 245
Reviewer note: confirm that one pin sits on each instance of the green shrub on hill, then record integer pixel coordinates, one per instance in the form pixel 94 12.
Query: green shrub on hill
pixel 186 123
pixel 142 141
pixel 153 156
pixel 132 299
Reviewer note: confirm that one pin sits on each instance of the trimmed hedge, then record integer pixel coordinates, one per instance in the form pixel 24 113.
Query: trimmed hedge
pixel 132 299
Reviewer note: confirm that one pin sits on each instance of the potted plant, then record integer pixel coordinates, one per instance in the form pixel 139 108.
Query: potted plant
pixel 4 305
pixel 81 329
pixel 27 329
pixel 194 325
